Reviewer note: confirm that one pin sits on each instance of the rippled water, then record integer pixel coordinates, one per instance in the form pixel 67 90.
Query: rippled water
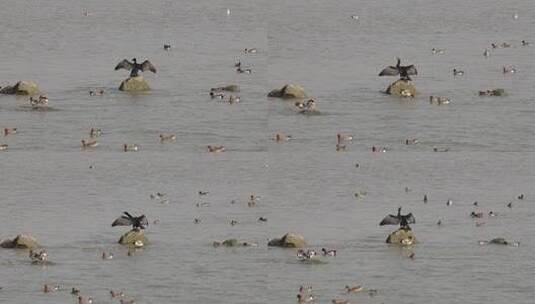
pixel 49 190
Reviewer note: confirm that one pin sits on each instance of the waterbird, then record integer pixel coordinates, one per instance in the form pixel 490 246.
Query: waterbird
pixel 167 47
pixel 203 192
pixel 135 67
pixel 252 200
pixel 215 149
pixel 510 205
pixel 88 144
pixel 233 99
pixel 474 214
pixel 521 196
pixel 402 220
pixel 449 202
pixel 515 16
pixel 96 93
pixel 356 288
pixel 303 300
pixel 328 252
pixel 48 288
pixel 354 17
pixel 116 294
pixel 246 71
pixel 262 219
pixel 216 95
pixel 250 51
pixel 509 70
pixel 437 51
pixel 130 148
pixel 8 131
pixel 425 198
pixel 439 222
pixel 524 43
pixel 167 137
pixel 228 11
pixel 42 101
pixel 75 291
pixel 308 107
pixel 281 137
pixel 398 69
pixel 344 137
pixel 339 301
pixel 95 132
pixel 107 256
pixel 137 222
pixel 486 53
pixel 457 72
pixel 3 147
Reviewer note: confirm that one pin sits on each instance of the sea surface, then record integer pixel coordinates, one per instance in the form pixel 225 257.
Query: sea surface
pixel 67 197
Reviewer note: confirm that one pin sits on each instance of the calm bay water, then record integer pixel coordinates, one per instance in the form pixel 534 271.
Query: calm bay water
pixel 49 190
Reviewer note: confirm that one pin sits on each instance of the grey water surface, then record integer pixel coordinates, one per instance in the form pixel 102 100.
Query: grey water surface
pixel 68 198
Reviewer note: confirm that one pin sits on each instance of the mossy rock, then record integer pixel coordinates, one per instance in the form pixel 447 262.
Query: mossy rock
pixel 289 91
pixel 402 237
pixel 132 236
pixel 499 241
pixel 134 84
pixel 289 240
pixel 402 88
pixel 21 241
pixel 23 87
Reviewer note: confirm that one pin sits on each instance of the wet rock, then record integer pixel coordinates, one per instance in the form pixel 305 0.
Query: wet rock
pixel 403 237
pixel 289 91
pixel 24 87
pixel 228 88
pixel 233 243
pixel 402 88
pixel 21 241
pixel 134 237
pixel 134 84
pixel 289 240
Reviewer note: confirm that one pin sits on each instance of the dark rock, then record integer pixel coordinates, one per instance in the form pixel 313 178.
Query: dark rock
pixel 21 241
pixel 289 91
pixel 24 87
pixel 289 240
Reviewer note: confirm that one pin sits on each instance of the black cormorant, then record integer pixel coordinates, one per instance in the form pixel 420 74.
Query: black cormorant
pixel 402 220
pixel 398 69
pixel 127 219
pixel 135 67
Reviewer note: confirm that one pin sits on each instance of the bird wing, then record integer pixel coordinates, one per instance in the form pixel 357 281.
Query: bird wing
pixel 389 71
pixel 122 221
pixel 389 220
pixel 411 70
pixel 125 64
pixel 410 219
pixel 146 65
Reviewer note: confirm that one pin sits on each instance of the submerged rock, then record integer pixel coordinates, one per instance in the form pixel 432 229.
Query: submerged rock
pixel 23 87
pixel 402 236
pixel 135 237
pixel 233 243
pixel 21 241
pixel 134 84
pixel 402 88
pixel 289 240
pixel 289 91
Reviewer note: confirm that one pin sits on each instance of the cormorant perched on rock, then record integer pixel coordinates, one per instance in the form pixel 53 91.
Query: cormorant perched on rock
pixel 139 222
pixel 403 71
pixel 402 220
pixel 135 67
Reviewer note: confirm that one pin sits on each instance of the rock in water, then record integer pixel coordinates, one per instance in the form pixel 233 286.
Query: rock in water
pixel 24 87
pixel 402 88
pixel 289 91
pixel 499 241
pixel 401 237
pixel 289 240
pixel 22 241
pixel 134 84
pixel 132 237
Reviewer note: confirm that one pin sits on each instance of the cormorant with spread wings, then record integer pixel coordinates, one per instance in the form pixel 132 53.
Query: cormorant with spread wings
pixel 398 69
pixel 402 220
pixel 127 219
pixel 135 67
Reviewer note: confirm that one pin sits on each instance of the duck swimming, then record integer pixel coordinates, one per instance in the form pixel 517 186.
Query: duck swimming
pixel 95 132
pixel 168 137
pixel 89 144
pixel 135 67
pixel 215 149
pixel 330 252
pixel 353 289
pixel 486 53
pixel 8 131
pixel 437 51
pixel 398 69
pixel 130 148
pixel 38 257
pixel 457 72
pixel 167 47
pixel 3 147
pixel 509 70
pixel 280 137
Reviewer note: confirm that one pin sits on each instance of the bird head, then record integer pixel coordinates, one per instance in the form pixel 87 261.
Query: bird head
pixel 134 60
